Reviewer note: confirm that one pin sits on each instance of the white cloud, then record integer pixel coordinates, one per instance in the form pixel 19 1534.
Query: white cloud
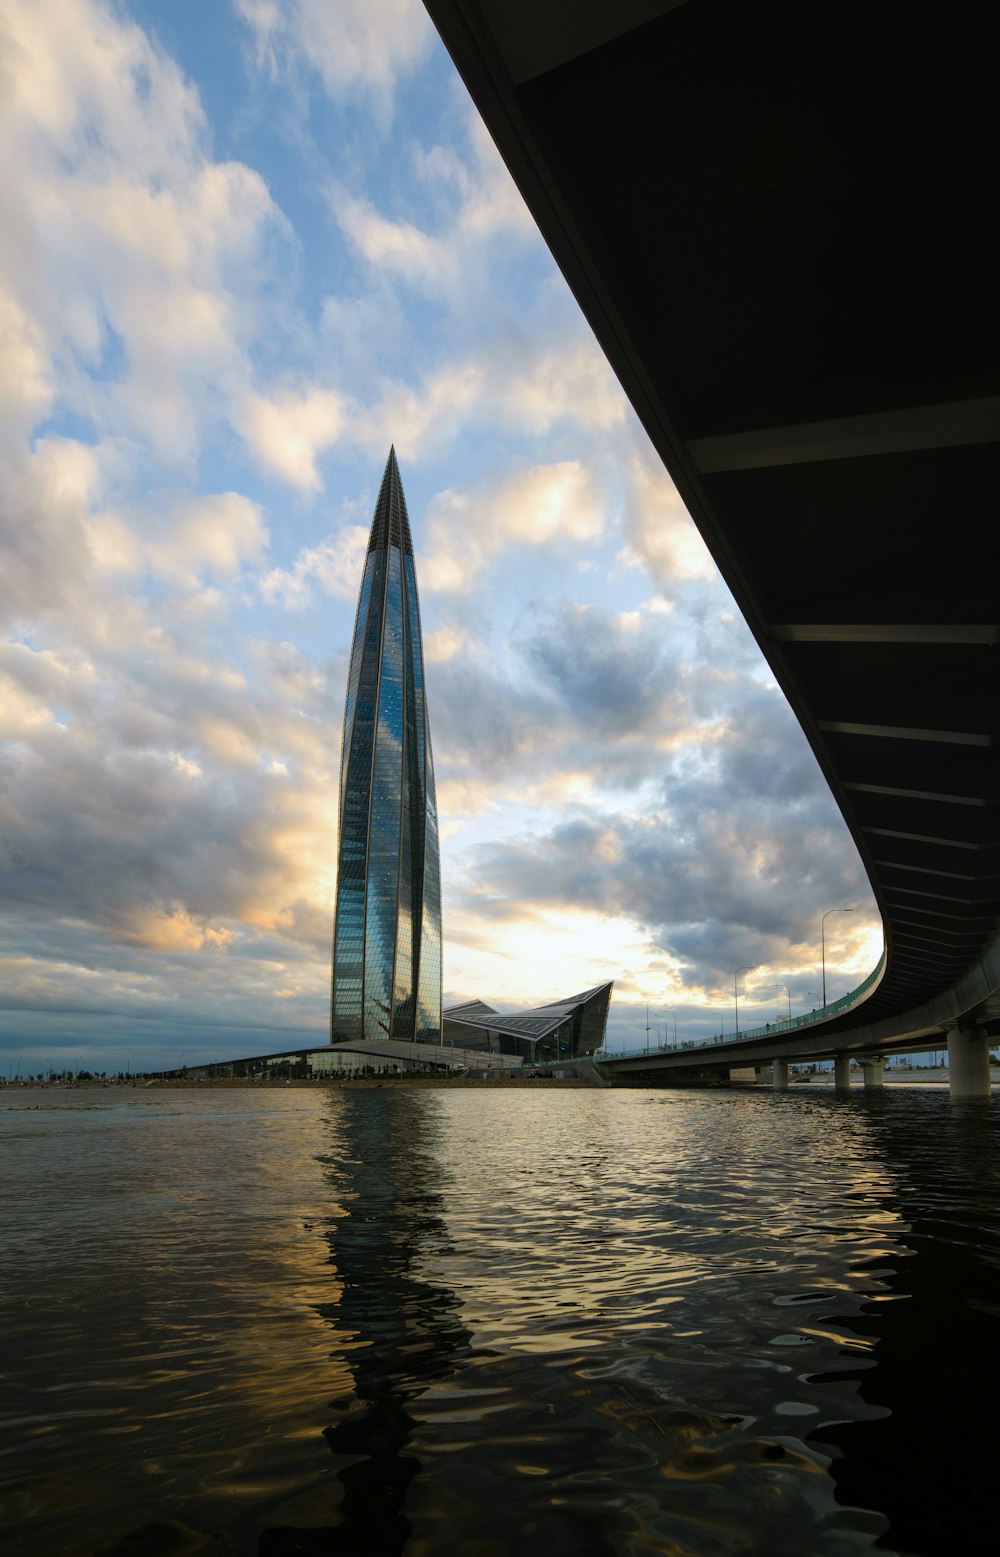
pixel 43 537
pixel 490 212
pixel 523 385
pixel 394 246
pixel 457 230
pixel 569 380
pixel 193 537
pixel 444 643
pixel 216 533
pixel 130 263
pixel 34 684
pixel 355 45
pixel 335 565
pixel 482 222
pixel 173 930
pixel 72 65
pixel 541 506
pixel 26 387
pixel 523 382
pixel 660 534
pixel 289 430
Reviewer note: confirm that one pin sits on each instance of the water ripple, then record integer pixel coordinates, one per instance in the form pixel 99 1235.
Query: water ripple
pixel 496 1321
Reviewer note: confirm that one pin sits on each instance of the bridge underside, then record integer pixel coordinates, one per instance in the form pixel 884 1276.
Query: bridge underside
pixel 719 1060
pixel 776 219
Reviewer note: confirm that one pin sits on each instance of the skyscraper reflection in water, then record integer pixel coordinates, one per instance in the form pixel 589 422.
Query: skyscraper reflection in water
pixel 406 1329
pixel 387 920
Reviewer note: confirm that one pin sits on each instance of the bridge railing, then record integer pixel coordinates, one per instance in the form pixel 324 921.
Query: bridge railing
pixel 780 1027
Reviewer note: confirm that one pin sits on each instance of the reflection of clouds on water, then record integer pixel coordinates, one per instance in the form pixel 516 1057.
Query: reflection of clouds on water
pixel 932 1322
pixel 604 1357
pixel 591 1323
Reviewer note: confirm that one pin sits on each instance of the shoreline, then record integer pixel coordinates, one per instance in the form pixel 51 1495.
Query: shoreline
pixel 497 1080
pixel 239 1083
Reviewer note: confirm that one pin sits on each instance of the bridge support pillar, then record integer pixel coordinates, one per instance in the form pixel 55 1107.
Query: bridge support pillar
pixel 780 1075
pixel 873 1069
pixel 842 1072
pixel 968 1062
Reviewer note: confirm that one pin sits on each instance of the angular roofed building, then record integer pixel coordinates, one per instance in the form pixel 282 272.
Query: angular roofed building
pixel 560 1030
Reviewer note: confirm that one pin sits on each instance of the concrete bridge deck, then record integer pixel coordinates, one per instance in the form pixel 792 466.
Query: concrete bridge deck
pixel 774 219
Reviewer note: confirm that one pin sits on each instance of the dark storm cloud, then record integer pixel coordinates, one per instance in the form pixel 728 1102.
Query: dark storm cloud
pixel 745 846
pixel 613 680
pixel 484 721
pixel 580 692
pixel 173 793
pixel 714 890
pixel 629 699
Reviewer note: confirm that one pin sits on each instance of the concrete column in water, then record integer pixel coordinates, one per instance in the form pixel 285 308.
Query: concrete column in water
pixel 780 1075
pixel 842 1072
pixel 968 1062
pixel 873 1068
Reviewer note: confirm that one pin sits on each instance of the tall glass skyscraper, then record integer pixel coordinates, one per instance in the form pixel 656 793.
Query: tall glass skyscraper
pixel 387 922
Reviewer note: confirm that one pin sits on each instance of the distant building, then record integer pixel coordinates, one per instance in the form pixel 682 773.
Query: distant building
pixel 365 1057
pixel 560 1030
pixel 387 920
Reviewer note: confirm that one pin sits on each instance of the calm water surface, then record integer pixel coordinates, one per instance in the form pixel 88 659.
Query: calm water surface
pixel 492 1322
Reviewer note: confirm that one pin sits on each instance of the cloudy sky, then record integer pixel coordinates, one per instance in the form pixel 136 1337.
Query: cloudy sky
pixel 244 247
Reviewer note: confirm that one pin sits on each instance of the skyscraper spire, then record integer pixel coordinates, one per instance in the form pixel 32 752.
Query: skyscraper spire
pixel 387 920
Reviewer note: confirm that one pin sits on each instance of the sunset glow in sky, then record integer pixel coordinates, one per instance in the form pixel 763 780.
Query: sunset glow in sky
pixel 245 246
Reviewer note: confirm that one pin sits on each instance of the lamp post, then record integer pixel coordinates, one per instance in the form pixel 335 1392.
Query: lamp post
pixel 809 994
pixel 736 995
pixel 788 996
pixel 822 937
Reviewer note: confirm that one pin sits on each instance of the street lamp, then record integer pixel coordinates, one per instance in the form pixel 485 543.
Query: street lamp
pixel 736 996
pixel 822 937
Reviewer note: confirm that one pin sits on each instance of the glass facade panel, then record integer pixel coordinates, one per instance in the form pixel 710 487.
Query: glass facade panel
pixel 387 920
pixel 354 674
pixel 356 769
